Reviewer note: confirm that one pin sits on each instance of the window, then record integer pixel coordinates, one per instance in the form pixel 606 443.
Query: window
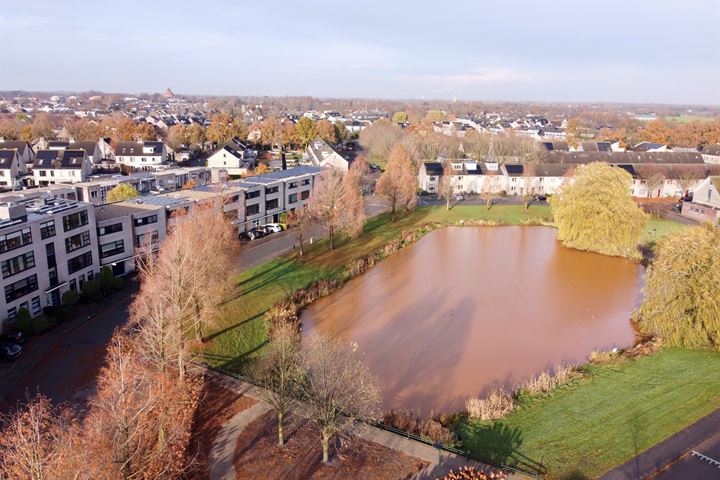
pixel 75 220
pixel 292 198
pixel 36 305
pixel 305 195
pixel 79 262
pixel 432 179
pixel 145 220
pixel 43 173
pixel 141 239
pixel 271 204
pixel 305 182
pixel 112 248
pixel 47 229
pixel 292 185
pixel 77 242
pixel 252 209
pixel 271 190
pixel 107 230
pixel 12 313
pixel 21 288
pixel 254 194
pixel 52 173
pixel 16 239
pixel 15 265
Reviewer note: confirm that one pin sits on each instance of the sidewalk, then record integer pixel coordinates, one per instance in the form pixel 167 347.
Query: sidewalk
pixel 37 348
pixel 221 456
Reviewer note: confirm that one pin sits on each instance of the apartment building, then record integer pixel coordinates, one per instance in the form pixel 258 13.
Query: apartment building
pixel 95 189
pixel 47 247
pixel 125 229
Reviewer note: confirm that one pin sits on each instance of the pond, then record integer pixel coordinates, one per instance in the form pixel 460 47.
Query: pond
pixel 466 309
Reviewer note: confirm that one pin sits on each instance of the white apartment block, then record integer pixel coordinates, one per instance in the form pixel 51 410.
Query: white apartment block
pixel 47 247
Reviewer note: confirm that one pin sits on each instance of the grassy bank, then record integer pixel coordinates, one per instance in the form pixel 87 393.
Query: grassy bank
pixel 593 424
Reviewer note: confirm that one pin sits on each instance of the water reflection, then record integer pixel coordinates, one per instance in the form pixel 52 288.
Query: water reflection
pixel 467 308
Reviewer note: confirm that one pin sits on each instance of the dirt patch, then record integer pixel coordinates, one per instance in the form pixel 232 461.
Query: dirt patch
pixel 257 455
pixel 217 405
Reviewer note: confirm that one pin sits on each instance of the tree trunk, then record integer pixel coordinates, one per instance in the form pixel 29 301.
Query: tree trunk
pixel 331 237
pixel 447 201
pixel 302 251
pixel 281 429
pixel 325 447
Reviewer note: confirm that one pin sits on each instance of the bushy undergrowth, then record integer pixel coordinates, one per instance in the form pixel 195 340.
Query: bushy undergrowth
pixel 435 428
pixel 492 407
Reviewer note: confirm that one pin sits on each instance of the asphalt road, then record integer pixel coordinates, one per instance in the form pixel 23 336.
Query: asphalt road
pixel 693 467
pixel 255 252
pixel 66 371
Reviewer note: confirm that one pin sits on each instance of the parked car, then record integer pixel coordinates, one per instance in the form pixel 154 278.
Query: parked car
pixel 273 228
pixel 458 197
pixel 10 350
pixel 253 234
pixel 540 197
pixel 15 337
pixel 677 207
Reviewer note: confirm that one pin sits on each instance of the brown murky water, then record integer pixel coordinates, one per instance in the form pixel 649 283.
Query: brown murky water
pixel 468 308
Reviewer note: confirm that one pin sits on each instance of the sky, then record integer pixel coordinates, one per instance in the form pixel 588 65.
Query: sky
pixel 638 51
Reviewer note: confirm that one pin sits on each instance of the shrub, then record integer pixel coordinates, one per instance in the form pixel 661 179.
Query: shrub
pixel 40 324
pixel 91 290
pixel 598 357
pixel 496 405
pixel 24 321
pixel 547 381
pixel 473 473
pixel 70 297
pixel 436 429
pixel 117 283
pixel 282 312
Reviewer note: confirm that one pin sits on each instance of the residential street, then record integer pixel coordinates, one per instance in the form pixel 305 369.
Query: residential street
pixel 62 365
pixel 690 466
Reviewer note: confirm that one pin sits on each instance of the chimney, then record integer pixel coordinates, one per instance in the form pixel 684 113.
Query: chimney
pixel 284 161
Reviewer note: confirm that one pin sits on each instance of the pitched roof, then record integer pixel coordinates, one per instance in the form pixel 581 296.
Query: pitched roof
pixel 433 168
pixel 7 156
pixel 624 157
pixel 555 146
pixel 19 145
pixel 645 146
pixel 514 169
pixel 71 159
pixel 713 149
pixel 89 147
pixel 136 148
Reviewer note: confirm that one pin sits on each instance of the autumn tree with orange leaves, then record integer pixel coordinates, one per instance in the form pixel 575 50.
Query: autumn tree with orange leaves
pixel 337 204
pixel 398 185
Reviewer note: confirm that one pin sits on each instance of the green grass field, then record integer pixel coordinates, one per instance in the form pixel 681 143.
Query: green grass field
pixel 600 421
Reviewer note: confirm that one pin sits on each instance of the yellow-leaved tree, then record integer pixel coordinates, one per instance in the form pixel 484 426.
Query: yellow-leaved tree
pixel 681 303
pixel 596 212
pixel 122 191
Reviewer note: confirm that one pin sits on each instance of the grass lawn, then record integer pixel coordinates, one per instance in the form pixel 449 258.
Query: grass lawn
pixel 600 421
pixel 659 227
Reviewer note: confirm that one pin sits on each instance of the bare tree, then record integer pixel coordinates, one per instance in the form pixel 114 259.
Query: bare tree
pixel 299 221
pixel 36 442
pixel 445 185
pixel 280 372
pixel 339 388
pixel 528 192
pixel 398 184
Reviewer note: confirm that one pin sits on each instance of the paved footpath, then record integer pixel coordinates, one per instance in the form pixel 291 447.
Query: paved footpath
pixel 223 450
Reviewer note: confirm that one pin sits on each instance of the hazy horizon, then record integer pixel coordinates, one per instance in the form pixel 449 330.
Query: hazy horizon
pixel 643 53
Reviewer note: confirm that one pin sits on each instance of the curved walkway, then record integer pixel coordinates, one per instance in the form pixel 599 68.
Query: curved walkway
pixel 223 450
